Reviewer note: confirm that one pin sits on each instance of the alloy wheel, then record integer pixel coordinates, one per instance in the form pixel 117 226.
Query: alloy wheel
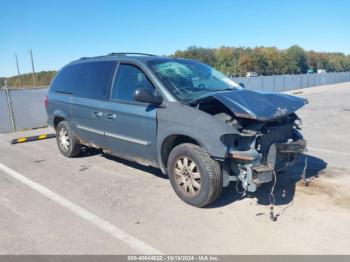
pixel 64 139
pixel 187 176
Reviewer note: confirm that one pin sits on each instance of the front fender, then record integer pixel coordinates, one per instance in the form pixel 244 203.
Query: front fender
pixel 177 119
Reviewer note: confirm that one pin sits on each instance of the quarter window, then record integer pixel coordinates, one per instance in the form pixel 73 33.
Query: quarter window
pixel 89 80
pixel 128 79
pixel 66 80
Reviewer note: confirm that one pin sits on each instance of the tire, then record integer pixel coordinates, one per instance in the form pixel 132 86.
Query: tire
pixel 66 140
pixel 206 172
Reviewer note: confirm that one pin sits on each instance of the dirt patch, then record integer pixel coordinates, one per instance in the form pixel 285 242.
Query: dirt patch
pixel 336 194
pixel 334 172
pixel 343 202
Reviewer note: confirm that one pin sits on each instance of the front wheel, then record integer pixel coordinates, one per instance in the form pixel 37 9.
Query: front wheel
pixel 194 175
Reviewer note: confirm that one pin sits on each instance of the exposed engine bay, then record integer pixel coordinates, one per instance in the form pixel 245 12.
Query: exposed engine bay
pixel 264 142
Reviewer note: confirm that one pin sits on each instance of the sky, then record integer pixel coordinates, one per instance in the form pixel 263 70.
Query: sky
pixel 59 31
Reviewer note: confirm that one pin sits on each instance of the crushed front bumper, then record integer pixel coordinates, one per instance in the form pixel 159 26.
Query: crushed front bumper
pixel 256 169
pixel 287 154
pixel 294 147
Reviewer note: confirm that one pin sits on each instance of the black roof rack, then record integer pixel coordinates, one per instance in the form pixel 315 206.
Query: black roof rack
pixel 86 57
pixel 128 53
pixel 117 54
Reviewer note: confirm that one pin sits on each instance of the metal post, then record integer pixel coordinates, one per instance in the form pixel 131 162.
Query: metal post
pixel 9 104
pixel 18 74
pixel 301 81
pixel 31 58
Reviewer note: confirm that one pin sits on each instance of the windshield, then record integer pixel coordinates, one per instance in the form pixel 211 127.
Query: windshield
pixel 188 80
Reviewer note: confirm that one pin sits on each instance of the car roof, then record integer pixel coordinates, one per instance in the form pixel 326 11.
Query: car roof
pixel 137 57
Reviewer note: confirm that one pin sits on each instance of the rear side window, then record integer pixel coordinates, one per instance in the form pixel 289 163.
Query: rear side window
pixel 90 79
pixel 66 80
pixel 128 79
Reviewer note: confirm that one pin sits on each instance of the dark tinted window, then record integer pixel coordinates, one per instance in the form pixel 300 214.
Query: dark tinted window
pixel 128 79
pixel 66 80
pixel 90 80
pixel 94 79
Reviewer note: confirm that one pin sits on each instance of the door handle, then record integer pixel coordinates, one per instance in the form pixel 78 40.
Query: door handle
pixel 96 114
pixel 111 116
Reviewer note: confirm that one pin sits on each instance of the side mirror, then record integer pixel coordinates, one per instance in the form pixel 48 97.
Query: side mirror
pixel 145 95
pixel 241 85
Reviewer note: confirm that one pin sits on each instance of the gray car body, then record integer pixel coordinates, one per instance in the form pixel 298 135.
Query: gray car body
pixel 143 132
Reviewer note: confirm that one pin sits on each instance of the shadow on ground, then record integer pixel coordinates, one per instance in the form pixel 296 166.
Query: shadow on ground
pixel 148 169
pixel 87 152
pixel 283 192
pixel 285 184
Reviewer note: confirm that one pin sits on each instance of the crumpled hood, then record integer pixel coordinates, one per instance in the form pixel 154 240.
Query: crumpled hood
pixel 261 106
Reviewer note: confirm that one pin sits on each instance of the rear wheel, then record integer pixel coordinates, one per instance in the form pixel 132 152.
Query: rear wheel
pixel 194 175
pixel 66 140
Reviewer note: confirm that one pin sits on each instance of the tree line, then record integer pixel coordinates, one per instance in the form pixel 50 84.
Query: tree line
pixel 237 61
pixel 43 78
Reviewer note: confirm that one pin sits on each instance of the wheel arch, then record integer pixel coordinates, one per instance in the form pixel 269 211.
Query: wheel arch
pixel 199 126
pixel 58 116
pixel 171 141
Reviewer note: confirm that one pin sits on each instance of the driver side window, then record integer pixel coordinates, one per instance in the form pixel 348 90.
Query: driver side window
pixel 128 79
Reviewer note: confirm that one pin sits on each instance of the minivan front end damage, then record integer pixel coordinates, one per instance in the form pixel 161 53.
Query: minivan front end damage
pixel 254 167
pixel 266 138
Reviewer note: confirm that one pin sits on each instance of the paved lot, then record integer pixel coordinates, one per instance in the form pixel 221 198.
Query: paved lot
pixel 97 204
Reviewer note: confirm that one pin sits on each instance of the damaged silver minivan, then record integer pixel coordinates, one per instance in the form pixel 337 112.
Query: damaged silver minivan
pixel 198 126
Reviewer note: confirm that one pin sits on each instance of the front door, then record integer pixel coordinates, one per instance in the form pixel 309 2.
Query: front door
pixel 131 126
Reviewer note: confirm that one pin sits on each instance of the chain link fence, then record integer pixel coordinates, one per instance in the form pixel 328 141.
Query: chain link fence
pixel 27 110
pixel 25 106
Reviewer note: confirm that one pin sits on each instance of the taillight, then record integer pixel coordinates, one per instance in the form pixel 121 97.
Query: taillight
pixel 46 101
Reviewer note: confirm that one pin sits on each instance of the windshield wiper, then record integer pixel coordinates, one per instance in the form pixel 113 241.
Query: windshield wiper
pixel 226 89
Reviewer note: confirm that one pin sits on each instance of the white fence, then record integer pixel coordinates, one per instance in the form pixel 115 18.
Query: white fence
pixel 280 83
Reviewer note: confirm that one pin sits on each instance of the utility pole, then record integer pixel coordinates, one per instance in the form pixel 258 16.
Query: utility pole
pixel 31 58
pixel 18 74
